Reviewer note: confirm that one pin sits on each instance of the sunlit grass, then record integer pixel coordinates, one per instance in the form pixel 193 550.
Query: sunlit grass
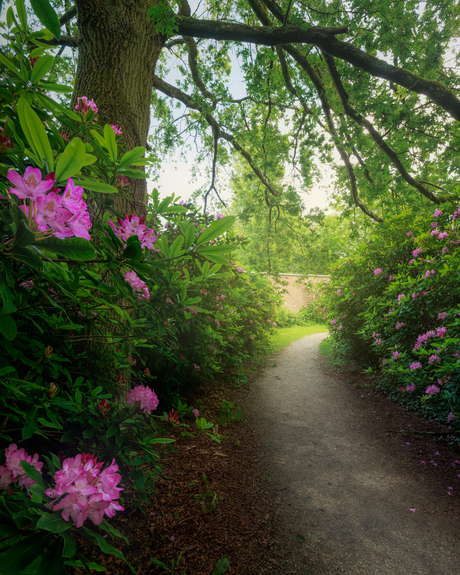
pixel 286 335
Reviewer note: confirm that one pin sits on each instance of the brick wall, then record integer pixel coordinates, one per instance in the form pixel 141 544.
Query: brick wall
pixel 300 294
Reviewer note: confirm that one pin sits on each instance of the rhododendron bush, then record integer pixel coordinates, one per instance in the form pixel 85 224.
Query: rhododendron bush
pixel 398 310
pixel 96 305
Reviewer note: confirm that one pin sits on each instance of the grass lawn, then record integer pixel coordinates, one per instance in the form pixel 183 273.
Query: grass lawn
pixel 286 335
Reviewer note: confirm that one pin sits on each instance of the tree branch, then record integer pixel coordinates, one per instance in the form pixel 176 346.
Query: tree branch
pixel 325 39
pixel 174 92
pixel 69 15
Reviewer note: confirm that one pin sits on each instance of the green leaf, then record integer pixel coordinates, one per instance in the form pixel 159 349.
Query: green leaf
pixel 57 88
pixel 21 10
pixel 38 491
pixel 7 296
pixel 28 257
pixel 52 562
pixel 72 248
pixel 189 236
pixel 71 161
pixel 111 143
pixel 24 237
pixel 216 229
pixel 213 250
pixel 35 132
pixel 8 327
pixel 42 66
pixel 17 557
pixel 131 156
pixel 70 544
pixel 133 249
pixel 139 478
pixel 130 173
pixel 150 440
pixel 215 259
pixel 53 522
pixel 31 423
pixel 176 246
pixel 9 64
pixel 30 470
pixel 174 210
pixel 105 547
pixel 9 17
pixel 222 566
pixel 96 186
pixel 47 16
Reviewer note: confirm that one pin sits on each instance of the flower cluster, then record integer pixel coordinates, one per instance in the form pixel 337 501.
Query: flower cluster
pixel 65 214
pixel 173 417
pixel 146 397
pixel 12 472
pixel 88 491
pixel 84 106
pixel 134 226
pixel 138 285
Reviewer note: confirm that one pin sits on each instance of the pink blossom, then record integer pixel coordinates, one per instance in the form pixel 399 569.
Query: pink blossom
pixel 415 365
pixel 437 214
pixel 146 397
pixel 196 367
pixel 116 129
pixel 240 270
pixel 396 355
pixel 196 413
pixel 138 285
pixel 378 271
pixel 441 332
pixel 84 105
pixel 340 327
pixel 442 315
pixel 411 261
pixel 410 387
pixel 443 236
pixel 399 324
pixel 30 186
pixel 219 216
pixel 339 292
pixel 432 389
pixel 417 252
pixel 451 417
pixel 400 296
pixel 72 198
pixel 409 234
pixel 435 233
pixel 333 321
pixel 434 358
pixel 429 273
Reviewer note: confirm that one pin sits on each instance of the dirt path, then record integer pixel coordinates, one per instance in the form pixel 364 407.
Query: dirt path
pixel 346 488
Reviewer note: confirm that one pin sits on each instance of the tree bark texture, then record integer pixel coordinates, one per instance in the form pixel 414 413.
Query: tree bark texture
pixel 118 52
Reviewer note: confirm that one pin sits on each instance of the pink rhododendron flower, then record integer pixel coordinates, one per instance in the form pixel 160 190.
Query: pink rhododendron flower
pixel 442 315
pixel 30 186
pixel 84 105
pixel 400 296
pixel 196 413
pixel 333 321
pixel 138 285
pixel 432 389
pixel 451 417
pixel 378 271
pixel 396 355
pixel 415 365
pixel 411 261
pixel 435 233
pixel 219 216
pixel 399 324
pixel 437 214
pixel 116 129
pixel 441 332
pixel 417 252
pixel 434 358
pixel 429 273
pixel 409 234
pixel 443 236
pixel 410 387
pixel 339 292
pixel 146 397
pixel 173 417
pixel 196 367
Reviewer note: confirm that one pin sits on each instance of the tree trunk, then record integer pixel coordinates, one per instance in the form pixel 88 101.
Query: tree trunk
pixel 118 52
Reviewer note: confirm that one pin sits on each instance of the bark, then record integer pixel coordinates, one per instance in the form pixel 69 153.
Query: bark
pixel 118 52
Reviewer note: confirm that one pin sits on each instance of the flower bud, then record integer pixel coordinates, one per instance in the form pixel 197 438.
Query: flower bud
pixel 51 390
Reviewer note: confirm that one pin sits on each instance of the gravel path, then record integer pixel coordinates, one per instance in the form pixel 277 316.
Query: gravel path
pixel 345 496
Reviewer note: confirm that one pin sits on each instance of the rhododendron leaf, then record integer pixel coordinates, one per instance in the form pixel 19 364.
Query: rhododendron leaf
pixel 70 544
pixel 47 16
pixel 106 526
pixel 30 427
pixel 150 439
pixel 96 186
pixel 22 14
pixel 139 478
pixel 223 249
pixel 133 173
pixel 29 469
pixel 189 236
pixel 105 547
pixel 17 557
pixel 23 237
pixel 216 259
pixel 72 248
pixel 9 15
pixel 175 210
pixel 8 327
pixel 28 257
pixel 38 493
pixel 35 132
pixel 9 64
pixel 176 246
pixel 110 142
pixel 217 228
pixel 133 250
pixel 42 66
pixel 58 88
pixel 71 160
pixel 52 562
pixel 53 522
pixel 7 296
pixel 131 156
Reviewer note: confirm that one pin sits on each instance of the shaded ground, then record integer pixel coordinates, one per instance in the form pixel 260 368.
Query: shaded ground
pixel 320 478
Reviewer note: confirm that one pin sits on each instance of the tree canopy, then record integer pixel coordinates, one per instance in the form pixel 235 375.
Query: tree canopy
pixel 376 81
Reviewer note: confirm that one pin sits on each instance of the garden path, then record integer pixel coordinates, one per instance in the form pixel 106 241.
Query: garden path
pixel 346 487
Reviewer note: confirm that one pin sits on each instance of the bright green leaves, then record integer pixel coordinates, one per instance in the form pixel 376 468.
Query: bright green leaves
pixel 72 159
pixel 47 16
pixel 42 66
pixel 216 229
pixel 131 157
pixel 36 134
pixel 110 142
pixel 71 248
pixel 97 186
